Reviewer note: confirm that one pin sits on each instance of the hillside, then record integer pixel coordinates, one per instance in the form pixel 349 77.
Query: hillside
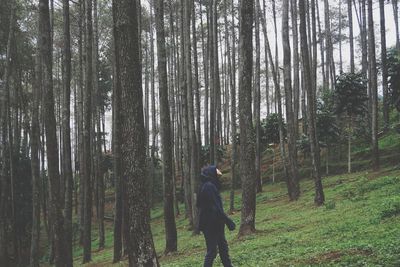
pixel 358 226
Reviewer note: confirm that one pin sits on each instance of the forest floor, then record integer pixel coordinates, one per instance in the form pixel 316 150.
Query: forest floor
pixel 359 225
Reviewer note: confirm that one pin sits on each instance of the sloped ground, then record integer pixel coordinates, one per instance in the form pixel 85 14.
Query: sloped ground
pixel 358 226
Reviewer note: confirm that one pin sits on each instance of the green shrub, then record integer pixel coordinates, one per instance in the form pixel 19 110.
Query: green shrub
pixel 330 205
pixel 390 208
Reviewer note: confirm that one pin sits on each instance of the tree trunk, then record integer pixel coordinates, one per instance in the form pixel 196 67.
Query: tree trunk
pixel 396 22
pixel 234 155
pixel 212 80
pixel 185 121
pixel 116 148
pixel 247 152
pixel 264 29
pixel 373 88
pixel 315 153
pixel 351 35
pixel 385 104
pixel 350 136
pixel 292 180
pixel 80 120
pixel 67 135
pixel 133 151
pixel 194 169
pixel 87 103
pixel 50 129
pixel 205 51
pixel 196 88
pixel 166 141
pixel 257 100
pixel 296 67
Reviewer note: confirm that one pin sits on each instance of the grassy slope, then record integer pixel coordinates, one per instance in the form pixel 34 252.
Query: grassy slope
pixel 359 225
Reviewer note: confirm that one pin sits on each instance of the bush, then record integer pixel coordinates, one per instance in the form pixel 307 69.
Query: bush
pixel 390 208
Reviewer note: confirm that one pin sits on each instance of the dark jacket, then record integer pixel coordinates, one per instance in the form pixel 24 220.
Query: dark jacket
pixel 209 202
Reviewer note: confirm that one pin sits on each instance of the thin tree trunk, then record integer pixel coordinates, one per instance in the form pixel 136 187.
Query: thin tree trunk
pixel 296 66
pixel 373 88
pixel 50 129
pixel 67 166
pixel 385 104
pixel 166 139
pixel 351 35
pixel 257 99
pixel 263 17
pixel 292 180
pixel 191 119
pixel 396 21
pixel 206 78
pixel 116 104
pixel 185 122
pixel 315 153
pixel 80 120
pixel 87 242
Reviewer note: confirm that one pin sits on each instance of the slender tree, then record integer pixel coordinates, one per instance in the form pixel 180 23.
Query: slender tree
pixel 292 180
pixel 166 139
pixel 315 156
pixel 50 132
pixel 257 99
pixel 396 21
pixel 373 97
pixel 67 164
pixel 351 34
pixel 384 71
pixel 35 166
pixel 87 119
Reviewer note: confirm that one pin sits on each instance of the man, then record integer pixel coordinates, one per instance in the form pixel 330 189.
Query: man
pixel 212 218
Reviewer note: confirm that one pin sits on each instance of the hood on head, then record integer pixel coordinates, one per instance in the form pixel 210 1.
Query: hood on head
pixel 209 174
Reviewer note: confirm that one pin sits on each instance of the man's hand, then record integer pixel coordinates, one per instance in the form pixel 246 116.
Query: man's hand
pixel 231 225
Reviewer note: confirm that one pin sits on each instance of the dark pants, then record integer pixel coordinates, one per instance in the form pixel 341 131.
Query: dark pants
pixel 216 239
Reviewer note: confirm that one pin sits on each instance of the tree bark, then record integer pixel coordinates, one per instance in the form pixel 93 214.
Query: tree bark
pixel 166 140
pixel 87 120
pixel 185 121
pixel 351 35
pixel 194 169
pixel 67 166
pixel 247 153
pixel 116 104
pixel 373 88
pixel 50 131
pixel 385 104
pixel 234 155
pixel 133 151
pixel 292 180
pixel 257 99
pixel 396 21
pixel 315 153
pixel 296 66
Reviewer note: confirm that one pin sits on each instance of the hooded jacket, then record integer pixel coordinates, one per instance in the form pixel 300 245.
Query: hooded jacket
pixel 209 202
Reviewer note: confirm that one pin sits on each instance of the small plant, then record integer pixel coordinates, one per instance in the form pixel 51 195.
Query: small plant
pixel 330 205
pixel 390 208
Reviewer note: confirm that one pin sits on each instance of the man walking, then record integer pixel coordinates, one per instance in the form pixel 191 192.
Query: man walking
pixel 212 218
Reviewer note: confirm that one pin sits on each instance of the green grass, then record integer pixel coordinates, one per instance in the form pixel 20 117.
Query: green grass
pixel 358 226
